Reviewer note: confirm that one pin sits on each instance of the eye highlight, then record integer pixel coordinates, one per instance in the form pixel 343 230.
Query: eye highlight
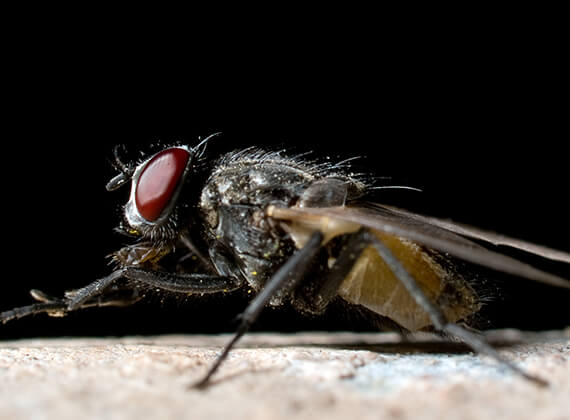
pixel 158 181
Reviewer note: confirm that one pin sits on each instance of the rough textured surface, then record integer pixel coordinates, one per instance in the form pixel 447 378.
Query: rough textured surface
pixel 364 376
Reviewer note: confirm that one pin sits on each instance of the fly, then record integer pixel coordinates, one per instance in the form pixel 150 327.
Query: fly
pixel 290 231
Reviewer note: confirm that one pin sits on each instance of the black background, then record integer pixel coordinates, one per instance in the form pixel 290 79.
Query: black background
pixel 479 126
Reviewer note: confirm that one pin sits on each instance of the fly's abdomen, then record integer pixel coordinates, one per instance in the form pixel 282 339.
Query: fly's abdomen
pixel 372 284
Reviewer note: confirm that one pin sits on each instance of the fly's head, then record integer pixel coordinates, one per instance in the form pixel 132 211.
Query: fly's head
pixel 157 208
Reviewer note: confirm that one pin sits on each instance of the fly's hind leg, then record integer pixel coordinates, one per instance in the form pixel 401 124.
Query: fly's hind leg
pixel 437 317
pixel 350 253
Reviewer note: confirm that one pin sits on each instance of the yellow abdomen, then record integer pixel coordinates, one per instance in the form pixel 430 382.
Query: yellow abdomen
pixel 372 284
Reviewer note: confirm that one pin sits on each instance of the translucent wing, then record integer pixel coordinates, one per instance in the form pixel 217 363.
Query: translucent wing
pixel 483 235
pixel 433 233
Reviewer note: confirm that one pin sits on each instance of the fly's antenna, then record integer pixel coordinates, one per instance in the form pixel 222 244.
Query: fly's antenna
pixel 126 171
pixel 204 143
pixel 117 163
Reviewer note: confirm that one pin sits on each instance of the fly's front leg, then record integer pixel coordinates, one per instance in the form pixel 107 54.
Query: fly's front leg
pixel 181 283
pixel 78 297
pixel 107 291
pixel 136 261
pixel 51 308
pixel 58 307
pixel 150 279
pixel 73 300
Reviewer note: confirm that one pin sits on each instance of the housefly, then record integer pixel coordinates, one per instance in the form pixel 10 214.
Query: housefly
pixel 293 232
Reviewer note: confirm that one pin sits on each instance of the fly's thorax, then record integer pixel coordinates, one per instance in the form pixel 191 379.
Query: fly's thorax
pixel 244 241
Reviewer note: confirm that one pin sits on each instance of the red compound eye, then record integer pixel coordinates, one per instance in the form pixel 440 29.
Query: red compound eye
pixel 158 181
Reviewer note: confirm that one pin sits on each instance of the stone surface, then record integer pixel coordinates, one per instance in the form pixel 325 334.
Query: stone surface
pixel 310 375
